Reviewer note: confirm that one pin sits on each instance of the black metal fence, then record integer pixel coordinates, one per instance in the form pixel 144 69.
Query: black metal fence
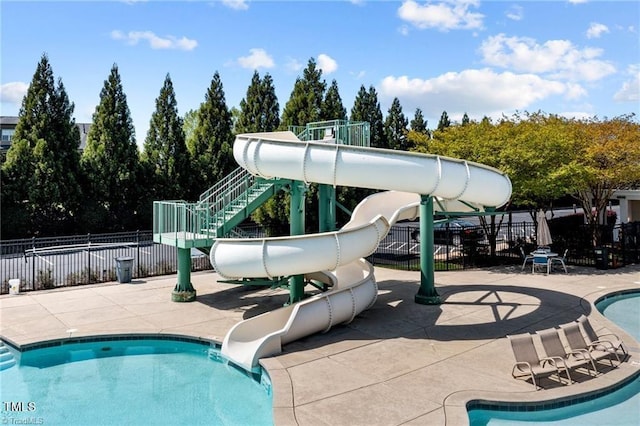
pixel 44 263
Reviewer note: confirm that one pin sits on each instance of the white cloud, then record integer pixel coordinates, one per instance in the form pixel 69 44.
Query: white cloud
pixel 515 13
pixel 358 75
pixel 444 16
pixel 258 58
pixel 477 92
pixel 578 1
pixel 293 65
pixel 558 58
pixel 155 42
pixel 326 63
pixel 236 4
pixel 12 93
pixel 596 30
pixel 630 90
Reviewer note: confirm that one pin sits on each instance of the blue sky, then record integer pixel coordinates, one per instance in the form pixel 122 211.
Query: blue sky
pixel 575 58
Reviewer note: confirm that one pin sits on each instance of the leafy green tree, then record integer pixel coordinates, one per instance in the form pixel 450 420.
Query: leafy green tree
pixel 367 108
pixel 606 158
pixel 332 107
pixel 111 163
pixel 305 103
pixel 465 119
pixel 444 121
pixel 40 189
pixel 418 124
pixel 259 110
pixel 189 125
pixel 211 148
pixel 395 126
pixel 165 158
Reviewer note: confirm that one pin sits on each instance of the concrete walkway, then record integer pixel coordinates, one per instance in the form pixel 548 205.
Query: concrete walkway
pixel 398 363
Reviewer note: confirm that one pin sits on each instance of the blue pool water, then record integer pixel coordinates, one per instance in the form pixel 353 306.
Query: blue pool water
pixel 131 382
pixel 621 407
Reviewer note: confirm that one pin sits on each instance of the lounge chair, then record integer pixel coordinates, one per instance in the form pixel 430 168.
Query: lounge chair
pixel 577 342
pixel 525 258
pixel 609 341
pixel 528 362
pixel 553 347
pixel 559 260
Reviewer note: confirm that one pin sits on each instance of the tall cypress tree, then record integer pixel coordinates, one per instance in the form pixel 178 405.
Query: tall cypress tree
pixel 395 126
pixel 165 157
pixel 305 103
pixel 111 163
pixel 418 124
pixel 259 110
pixel 40 188
pixel 465 119
pixel 367 108
pixel 332 107
pixel 444 121
pixel 211 148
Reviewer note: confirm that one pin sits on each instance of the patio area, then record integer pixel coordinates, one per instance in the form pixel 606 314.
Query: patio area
pixel 398 363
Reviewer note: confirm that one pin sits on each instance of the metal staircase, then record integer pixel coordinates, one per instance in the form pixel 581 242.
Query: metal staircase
pixel 220 209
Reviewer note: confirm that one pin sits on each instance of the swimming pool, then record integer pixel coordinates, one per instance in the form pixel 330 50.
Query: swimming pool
pixel 131 380
pixel 621 403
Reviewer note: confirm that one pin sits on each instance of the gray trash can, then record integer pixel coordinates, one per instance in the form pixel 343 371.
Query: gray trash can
pixel 124 265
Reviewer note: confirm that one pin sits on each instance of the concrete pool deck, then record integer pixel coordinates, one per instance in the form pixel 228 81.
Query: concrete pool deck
pixel 398 363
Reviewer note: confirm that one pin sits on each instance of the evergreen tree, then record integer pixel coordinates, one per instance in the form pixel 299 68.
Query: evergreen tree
pixel 395 126
pixel 465 119
pixel 367 108
pixel 305 103
pixel 418 124
pixel 332 107
pixel 111 163
pixel 212 145
pixel 259 110
pixel 444 121
pixel 165 157
pixel 40 188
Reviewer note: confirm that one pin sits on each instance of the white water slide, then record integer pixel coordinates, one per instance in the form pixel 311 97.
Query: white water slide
pixel 335 258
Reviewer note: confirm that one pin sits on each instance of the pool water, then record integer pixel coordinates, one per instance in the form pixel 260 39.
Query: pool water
pixel 621 407
pixel 131 381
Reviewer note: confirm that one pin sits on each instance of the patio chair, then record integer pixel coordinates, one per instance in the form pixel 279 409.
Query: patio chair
pixel 525 258
pixel 540 261
pixel 576 342
pixel 528 363
pixel 608 341
pixel 560 260
pixel 571 360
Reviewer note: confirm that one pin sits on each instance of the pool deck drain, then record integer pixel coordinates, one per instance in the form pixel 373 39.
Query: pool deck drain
pixel 398 363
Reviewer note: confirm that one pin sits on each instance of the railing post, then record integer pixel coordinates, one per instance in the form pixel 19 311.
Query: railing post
pixel 138 251
pixel 89 258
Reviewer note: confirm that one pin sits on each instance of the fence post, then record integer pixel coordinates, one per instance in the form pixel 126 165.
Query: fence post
pixel 33 263
pixel 138 252
pixel 88 258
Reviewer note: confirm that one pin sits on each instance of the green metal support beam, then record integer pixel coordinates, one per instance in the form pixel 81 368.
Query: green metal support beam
pixel 327 208
pixel 296 227
pixel 184 291
pixel 427 294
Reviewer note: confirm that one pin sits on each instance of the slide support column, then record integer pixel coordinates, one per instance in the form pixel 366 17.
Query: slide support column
pixel 184 291
pixel 296 227
pixel 327 208
pixel 427 294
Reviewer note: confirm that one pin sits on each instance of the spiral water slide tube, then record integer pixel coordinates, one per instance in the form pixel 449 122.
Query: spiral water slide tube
pixel 335 258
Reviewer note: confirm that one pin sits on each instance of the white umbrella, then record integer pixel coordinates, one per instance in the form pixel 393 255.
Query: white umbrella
pixel 543 235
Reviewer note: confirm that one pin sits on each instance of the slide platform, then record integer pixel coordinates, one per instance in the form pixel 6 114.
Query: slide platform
pixel 335 257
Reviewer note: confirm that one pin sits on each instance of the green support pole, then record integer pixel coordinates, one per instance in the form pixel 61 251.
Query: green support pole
pixel 184 291
pixel 296 227
pixel 427 294
pixel 327 208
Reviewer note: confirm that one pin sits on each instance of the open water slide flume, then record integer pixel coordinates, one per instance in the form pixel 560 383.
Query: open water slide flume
pixel 336 258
